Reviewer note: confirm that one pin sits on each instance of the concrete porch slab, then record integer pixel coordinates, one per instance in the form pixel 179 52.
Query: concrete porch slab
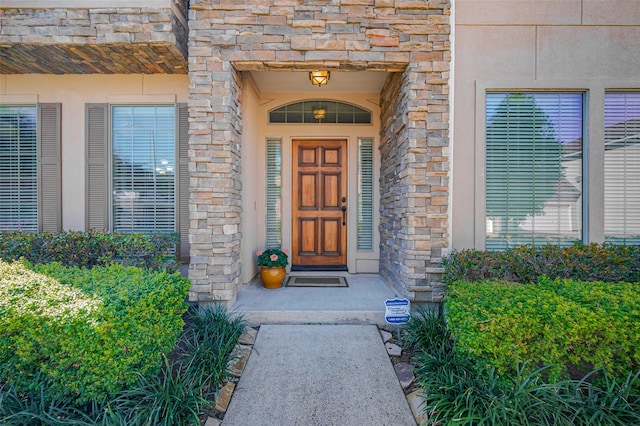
pixel 360 303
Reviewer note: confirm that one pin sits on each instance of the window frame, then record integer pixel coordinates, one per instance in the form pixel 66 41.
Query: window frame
pixel 48 163
pixel 273 192
pixel 624 239
pixel 365 234
pixel 593 145
pixel 589 162
pixel 110 171
pixel 303 103
pixel 557 92
pixel 98 166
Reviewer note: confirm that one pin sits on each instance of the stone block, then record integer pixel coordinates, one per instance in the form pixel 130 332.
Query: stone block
pixel 239 358
pixel 248 337
pixel 223 398
pixel 416 403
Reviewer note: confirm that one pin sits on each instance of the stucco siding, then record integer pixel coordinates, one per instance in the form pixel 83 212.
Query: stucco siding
pixel 584 46
pixel 73 91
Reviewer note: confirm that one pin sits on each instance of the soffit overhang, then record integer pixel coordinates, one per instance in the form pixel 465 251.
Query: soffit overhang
pixel 109 58
pixel 108 40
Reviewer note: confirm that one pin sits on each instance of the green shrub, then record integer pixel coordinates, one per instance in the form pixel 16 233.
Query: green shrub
pixel 458 391
pixel 85 334
pixel 565 324
pixel 525 264
pixel 88 249
pixel 178 395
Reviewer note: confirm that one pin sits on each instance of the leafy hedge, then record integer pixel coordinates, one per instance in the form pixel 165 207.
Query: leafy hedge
pixel 180 394
pixel 85 334
pixel 569 325
pixel 458 391
pixel 525 264
pixel 88 249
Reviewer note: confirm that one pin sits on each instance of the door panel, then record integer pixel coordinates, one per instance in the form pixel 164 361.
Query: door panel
pixel 331 196
pixel 308 199
pixel 319 227
pixel 330 230
pixel 308 236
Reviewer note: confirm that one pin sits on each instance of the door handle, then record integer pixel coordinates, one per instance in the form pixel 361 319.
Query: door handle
pixel 344 215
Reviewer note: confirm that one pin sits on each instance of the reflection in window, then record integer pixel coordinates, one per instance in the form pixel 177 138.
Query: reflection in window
pixel 18 169
pixel 533 168
pixel 622 167
pixel 143 145
pixel 320 112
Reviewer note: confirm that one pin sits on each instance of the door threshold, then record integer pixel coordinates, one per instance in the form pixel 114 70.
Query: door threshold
pixel 310 268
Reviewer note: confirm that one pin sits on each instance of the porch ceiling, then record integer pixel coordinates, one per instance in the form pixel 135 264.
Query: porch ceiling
pixel 340 82
pixel 113 58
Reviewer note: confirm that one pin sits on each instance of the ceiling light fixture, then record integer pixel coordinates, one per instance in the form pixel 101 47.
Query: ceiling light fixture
pixel 319 78
pixel 318 114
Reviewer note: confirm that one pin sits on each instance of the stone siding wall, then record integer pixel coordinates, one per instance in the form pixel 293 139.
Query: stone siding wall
pixel 414 181
pixel 408 37
pixel 109 41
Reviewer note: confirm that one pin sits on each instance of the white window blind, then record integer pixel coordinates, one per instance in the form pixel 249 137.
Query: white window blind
pixel 533 168
pixel 144 179
pixel 274 193
pixel 18 169
pixel 622 167
pixel 365 194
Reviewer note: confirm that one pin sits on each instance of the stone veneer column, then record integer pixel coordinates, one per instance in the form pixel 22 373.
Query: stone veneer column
pixel 214 165
pixel 414 177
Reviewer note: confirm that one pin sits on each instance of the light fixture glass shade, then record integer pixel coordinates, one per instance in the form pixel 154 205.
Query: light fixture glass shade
pixel 319 114
pixel 319 78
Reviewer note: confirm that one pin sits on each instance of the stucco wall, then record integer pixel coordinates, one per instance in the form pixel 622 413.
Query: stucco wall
pixel 252 147
pixel 588 46
pixel 73 91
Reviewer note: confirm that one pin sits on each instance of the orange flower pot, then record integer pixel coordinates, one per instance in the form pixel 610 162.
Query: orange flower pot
pixel 273 277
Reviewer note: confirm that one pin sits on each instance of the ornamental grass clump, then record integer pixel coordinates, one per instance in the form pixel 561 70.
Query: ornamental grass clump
pixel 206 346
pixel 273 258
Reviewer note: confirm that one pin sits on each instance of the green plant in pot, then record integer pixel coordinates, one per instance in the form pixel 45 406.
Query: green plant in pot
pixel 273 263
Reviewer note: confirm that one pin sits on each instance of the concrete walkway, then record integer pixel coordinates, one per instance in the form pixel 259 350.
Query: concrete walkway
pixel 318 375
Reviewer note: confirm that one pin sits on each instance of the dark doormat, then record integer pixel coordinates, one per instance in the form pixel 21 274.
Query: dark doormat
pixel 317 282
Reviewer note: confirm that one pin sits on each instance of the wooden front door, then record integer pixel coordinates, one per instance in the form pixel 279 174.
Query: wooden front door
pixel 319 203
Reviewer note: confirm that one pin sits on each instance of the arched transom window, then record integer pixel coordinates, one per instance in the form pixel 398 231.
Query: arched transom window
pixel 320 111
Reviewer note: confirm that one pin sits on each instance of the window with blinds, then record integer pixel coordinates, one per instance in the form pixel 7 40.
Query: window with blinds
pixel 365 194
pixel 622 167
pixel 274 193
pixel 143 167
pixel 18 168
pixel 533 168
